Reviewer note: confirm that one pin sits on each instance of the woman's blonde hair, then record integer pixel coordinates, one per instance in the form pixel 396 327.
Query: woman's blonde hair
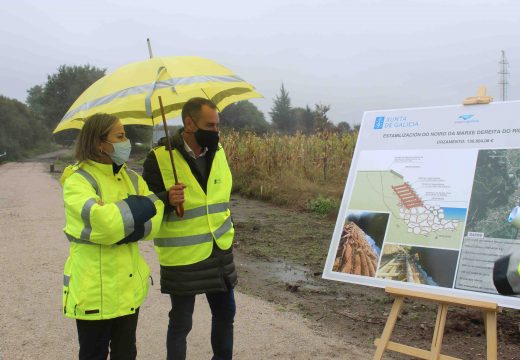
pixel 95 130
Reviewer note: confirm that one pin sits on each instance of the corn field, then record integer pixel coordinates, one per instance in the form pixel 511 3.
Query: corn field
pixel 262 165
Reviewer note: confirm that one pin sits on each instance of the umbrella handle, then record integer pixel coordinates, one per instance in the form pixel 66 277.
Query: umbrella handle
pixel 179 209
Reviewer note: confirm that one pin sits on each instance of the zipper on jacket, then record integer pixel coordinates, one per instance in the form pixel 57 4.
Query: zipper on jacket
pixel 140 276
pixel 101 283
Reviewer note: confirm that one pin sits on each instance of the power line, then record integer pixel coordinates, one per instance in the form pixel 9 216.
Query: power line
pixel 504 75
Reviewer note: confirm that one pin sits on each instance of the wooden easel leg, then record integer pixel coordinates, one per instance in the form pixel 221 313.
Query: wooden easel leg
pixel 491 334
pixel 389 327
pixel 438 333
pixel 490 317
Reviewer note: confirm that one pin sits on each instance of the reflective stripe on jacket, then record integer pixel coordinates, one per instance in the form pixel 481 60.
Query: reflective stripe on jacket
pixel 102 279
pixel 207 218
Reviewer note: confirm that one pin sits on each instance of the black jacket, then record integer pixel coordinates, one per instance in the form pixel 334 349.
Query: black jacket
pixel 214 274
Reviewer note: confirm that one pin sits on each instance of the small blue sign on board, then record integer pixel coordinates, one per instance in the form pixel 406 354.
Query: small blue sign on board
pixel 380 120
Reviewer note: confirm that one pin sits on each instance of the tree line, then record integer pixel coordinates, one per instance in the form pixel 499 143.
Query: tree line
pixel 285 118
pixel 26 127
pixel 290 120
pixel 29 125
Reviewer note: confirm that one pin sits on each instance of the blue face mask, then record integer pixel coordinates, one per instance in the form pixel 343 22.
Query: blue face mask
pixel 121 152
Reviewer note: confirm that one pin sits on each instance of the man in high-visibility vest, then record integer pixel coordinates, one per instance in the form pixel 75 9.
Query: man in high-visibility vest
pixel 195 250
pixel 506 274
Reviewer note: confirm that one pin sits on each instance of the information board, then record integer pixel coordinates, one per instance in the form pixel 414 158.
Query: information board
pixel 427 200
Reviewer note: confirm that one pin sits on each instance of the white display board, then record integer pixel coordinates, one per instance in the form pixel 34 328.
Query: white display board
pixel 427 200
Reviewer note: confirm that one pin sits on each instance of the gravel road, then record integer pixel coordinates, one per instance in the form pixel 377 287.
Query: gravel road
pixel 32 255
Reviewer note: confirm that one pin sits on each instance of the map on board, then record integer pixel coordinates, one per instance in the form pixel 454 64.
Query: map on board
pixel 495 192
pixel 489 235
pixel 422 192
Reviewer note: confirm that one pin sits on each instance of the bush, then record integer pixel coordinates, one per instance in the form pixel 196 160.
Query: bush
pixel 323 206
pixel 20 131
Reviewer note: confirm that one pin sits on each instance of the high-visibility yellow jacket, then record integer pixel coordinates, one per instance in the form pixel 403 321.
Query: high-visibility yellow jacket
pixel 207 218
pixel 103 279
pixel 506 274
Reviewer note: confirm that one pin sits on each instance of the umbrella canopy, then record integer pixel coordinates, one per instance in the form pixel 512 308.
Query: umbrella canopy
pixel 131 92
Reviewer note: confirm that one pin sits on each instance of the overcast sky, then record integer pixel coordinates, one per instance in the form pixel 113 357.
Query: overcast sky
pixel 352 55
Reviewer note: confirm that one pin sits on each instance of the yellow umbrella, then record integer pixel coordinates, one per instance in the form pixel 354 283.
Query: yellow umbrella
pixel 131 92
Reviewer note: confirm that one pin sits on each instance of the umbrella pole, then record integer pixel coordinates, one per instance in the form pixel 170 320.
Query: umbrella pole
pixel 153 133
pixel 149 48
pixel 179 209
pixel 151 56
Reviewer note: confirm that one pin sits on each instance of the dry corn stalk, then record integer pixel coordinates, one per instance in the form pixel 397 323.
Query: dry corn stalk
pixel 274 155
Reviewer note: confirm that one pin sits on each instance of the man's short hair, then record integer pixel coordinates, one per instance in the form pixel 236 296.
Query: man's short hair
pixel 193 107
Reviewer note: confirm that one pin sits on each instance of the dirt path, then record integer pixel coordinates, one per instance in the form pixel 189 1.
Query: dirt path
pixel 31 325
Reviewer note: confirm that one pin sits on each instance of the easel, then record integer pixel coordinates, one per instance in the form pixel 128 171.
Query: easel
pixel 490 316
pixel 488 309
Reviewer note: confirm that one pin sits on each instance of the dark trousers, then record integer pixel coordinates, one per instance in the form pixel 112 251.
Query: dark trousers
pixel 96 336
pixel 223 310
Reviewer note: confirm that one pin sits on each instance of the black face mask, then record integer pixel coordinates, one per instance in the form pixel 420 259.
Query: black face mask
pixel 207 138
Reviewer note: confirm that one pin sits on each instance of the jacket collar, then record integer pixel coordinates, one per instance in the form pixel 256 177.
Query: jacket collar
pixel 106 169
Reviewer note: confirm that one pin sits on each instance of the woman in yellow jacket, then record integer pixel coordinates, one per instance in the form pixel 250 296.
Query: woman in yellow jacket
pixel 108 208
